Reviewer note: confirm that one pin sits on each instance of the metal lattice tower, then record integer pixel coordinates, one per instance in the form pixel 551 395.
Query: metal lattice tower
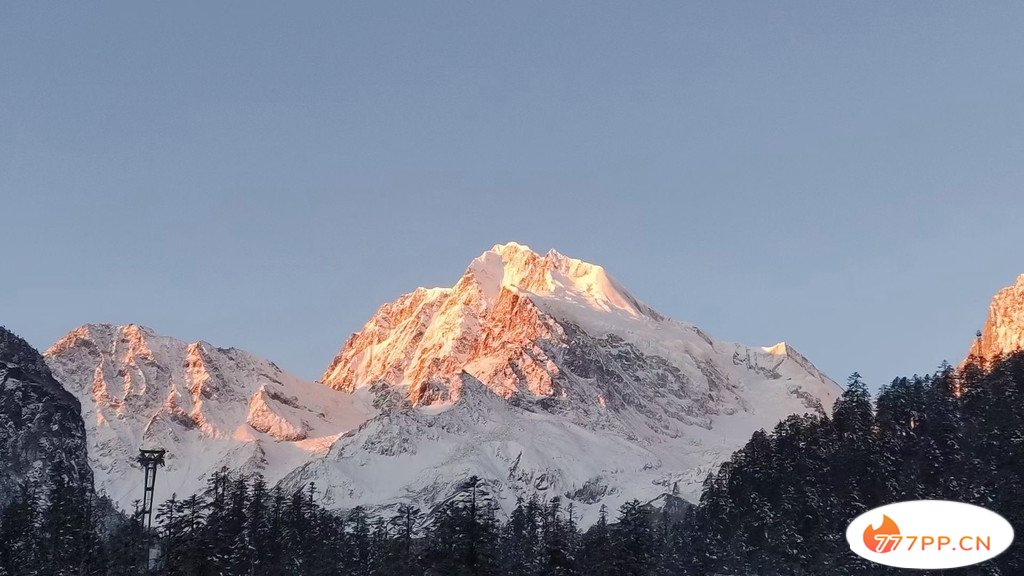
pixel 150 460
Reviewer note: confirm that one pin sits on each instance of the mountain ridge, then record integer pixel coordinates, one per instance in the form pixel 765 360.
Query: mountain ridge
pixel 535 372
pixel 210 407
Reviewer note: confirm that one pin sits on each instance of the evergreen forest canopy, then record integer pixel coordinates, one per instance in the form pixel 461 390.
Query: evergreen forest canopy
pixel 779 506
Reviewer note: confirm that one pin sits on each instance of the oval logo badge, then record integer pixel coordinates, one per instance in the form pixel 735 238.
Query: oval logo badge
pixel 929 534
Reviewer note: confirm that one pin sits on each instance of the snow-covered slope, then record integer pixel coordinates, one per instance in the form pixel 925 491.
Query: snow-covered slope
pixel 208 407
pixel 542 373
pixel 41 432
pixel 1004 328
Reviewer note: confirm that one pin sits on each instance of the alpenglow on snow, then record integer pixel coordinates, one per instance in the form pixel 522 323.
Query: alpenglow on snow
pixel 537 373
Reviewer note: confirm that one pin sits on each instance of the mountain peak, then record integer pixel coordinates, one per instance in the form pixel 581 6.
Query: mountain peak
pixel 134 334
pixel 1003 332
pixel 515 249
pixel 780 349
pixel 511 247
pixel 516 267
pixel 498 308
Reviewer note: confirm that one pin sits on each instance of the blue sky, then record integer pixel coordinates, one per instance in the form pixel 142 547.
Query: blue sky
pixel 843 176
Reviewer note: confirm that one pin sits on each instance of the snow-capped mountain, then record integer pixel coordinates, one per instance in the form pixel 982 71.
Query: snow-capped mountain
pixel 538 373
pixel 1004 328
pixel 41 430
pixel 542 373
pixel 208 407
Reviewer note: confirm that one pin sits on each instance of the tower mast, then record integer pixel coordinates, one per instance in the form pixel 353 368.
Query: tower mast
pixel 150 460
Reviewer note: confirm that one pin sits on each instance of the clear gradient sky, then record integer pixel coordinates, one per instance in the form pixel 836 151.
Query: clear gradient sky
pixel 844 176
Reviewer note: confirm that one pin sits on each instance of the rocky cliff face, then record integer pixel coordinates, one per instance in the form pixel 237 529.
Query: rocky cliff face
pixel 542 373
pixel 41 429
pixel 209 407
pixel 1004 328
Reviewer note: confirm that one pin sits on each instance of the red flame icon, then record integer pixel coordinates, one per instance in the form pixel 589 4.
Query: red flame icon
pixel 879 539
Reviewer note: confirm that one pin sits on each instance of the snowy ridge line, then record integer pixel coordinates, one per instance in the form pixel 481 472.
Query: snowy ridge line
pixel 536 373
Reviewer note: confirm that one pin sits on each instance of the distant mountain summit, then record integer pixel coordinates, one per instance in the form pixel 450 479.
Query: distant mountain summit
pixel 543 373
pixel 41 431
pixel 1003 332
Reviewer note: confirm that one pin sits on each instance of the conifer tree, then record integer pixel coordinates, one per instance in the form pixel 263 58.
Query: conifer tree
pixel 19 532
pixel 404 525
pixel 558 539
pixel 631 541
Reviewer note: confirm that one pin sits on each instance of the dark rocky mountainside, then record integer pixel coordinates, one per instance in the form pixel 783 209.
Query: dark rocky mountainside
pixel 41 428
